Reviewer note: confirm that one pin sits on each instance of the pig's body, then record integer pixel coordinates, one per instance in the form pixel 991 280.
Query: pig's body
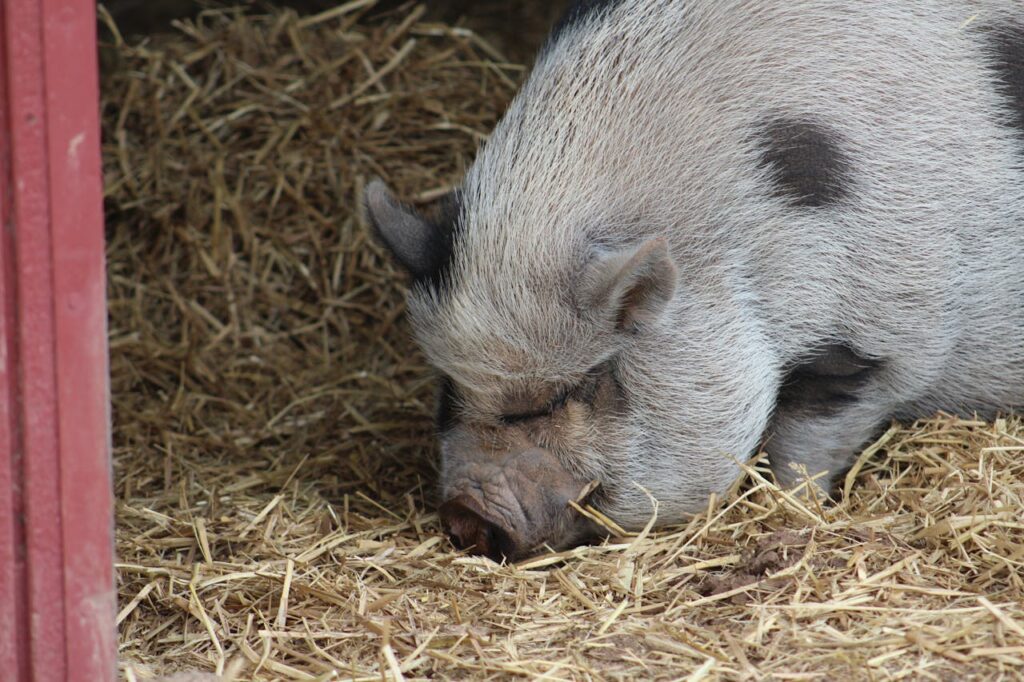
pixel 753 221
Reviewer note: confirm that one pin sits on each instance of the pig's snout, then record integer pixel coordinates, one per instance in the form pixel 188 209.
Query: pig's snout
pixel 470 530
pixel 506 505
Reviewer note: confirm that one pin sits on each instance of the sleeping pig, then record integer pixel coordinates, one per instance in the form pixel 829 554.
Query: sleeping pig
pixel 711 226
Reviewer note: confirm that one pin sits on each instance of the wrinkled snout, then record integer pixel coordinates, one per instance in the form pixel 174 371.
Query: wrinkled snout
pixel 469 529
pixel 506 509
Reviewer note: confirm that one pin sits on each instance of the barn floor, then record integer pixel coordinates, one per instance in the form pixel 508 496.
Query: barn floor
pixel 272 440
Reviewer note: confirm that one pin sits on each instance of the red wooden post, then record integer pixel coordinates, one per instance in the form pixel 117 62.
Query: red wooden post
pixel 57 599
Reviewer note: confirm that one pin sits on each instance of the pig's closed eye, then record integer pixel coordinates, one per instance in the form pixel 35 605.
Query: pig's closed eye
pixel 552 407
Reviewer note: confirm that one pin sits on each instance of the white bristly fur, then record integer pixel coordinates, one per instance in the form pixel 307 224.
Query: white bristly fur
pixel 641 123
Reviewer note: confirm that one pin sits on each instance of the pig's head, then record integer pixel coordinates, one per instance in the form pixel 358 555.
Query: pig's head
pixel 560 364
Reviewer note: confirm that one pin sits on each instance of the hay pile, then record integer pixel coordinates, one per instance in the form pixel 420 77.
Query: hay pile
pixel 273 449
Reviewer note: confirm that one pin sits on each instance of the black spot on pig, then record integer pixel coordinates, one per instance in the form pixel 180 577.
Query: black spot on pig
pixel 1008 50
pixel 579 12
pixel 809 168
pixel 826 379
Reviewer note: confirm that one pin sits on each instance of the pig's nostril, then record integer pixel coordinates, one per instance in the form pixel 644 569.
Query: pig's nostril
pixel 469 530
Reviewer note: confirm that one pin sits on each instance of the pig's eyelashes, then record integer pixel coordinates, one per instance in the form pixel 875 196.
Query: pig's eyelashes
pixel 552 407
pixel 585 392
pixel 523 417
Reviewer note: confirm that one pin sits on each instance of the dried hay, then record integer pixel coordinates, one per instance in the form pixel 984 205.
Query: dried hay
pixel 273 442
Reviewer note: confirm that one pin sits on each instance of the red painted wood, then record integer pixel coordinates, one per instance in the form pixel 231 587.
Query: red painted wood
pixel 34 339
pixel 55 452
pixel 80 315
pixel 13 602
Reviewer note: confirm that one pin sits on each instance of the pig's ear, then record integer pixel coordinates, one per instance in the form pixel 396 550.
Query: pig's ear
pixel 631 287
pixel 419 245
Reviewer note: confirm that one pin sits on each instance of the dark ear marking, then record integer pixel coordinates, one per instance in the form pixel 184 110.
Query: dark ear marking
pixel 447 221
pixel 445 417
pixel 826 379
pixel 808 165
pixel 1008 51
pixel 423 245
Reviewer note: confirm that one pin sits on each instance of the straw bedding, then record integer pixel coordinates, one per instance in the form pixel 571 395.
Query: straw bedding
pixel 273 449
